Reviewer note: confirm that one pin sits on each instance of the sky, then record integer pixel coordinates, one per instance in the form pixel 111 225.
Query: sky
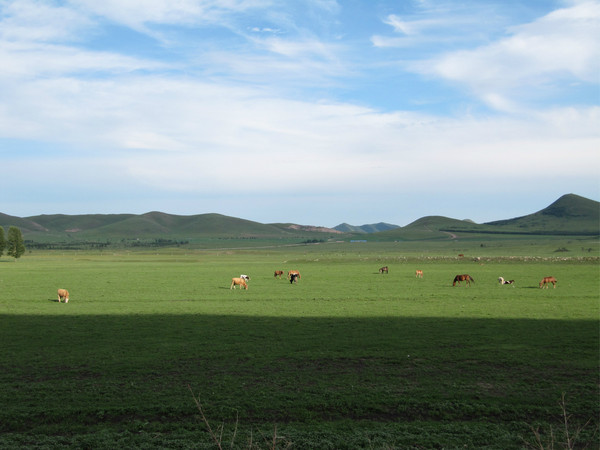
pixel 316 112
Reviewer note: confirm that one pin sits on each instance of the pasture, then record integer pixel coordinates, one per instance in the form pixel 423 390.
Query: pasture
pixel 345 358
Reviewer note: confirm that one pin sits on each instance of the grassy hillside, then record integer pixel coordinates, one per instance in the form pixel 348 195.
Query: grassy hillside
pixel 156 224
pixel 153 228
pixel 66 223
pixel 25 225
pixel 430 228
pixel 367 229
pixel 570 215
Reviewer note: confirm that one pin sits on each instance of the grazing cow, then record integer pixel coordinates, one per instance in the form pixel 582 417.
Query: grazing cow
pixel 63 293
pixel 546 282
pixel 467 278
pixel 293 272
pixel 294 278
pixel 238 282
pixel 384 269
pixel 503 281
pixel 245 277
pixel 278 273
pixel 419 274
pixel 461 255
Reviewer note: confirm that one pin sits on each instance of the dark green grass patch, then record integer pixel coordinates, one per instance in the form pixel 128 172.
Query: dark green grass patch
pixel 346 358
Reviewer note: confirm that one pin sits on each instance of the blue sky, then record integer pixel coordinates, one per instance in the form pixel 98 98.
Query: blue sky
pixel 308 111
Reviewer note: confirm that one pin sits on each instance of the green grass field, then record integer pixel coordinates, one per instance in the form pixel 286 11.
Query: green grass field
pixel 346 358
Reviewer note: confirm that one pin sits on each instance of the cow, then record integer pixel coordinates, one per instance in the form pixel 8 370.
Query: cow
pixel 293 272
pixel 294 278
pixel 546 282
pixel 63 293
pixel 384 269
pixel 503 281
pixel 419 274
pixel 238 282
pixel 278 273
pixel 245 277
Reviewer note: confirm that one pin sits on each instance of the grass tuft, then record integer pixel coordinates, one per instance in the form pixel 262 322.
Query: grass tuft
pixel 566 436
pixel 274 443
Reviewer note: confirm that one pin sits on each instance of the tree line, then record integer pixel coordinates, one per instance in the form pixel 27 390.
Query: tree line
pixel 13 242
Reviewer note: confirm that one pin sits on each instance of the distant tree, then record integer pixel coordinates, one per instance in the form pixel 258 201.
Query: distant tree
pixel 2 241
pixel 14 242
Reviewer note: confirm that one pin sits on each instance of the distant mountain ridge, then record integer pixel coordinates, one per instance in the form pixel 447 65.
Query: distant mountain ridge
pixel 569 215
pixel 562 212
pixel 372 228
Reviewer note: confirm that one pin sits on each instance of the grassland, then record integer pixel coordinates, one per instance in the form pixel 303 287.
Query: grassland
pixel 346 358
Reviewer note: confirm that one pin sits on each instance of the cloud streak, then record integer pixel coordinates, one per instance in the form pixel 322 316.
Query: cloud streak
pixel 560 47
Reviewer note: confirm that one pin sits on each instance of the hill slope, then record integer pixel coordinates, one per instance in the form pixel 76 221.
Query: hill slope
pixel 152 225
pixel 371 228
pixel 428 228
pixel 569 215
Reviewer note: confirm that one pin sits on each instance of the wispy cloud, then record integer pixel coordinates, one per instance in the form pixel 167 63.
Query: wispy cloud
pixel 138 14
pixel 446 24
pixel 562 46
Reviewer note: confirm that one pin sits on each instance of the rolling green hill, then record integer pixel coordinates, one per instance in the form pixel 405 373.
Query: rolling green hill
pixel 569 215
pixel 370 228
pixel 102 228
pixel 429 228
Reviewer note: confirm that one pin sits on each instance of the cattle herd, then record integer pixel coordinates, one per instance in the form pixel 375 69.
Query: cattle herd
pixel 293 276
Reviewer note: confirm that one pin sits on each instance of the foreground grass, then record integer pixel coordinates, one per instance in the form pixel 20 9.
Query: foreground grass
pixel 347 358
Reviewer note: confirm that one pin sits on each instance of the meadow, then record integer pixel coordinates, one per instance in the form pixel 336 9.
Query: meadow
pixel 154 350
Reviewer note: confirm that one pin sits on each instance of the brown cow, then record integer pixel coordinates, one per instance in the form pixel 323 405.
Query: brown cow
pixel 419 273
pixel 293 272
pixel 238 282
pixel 546 282
pixel 384 269
pixel 63 293
pixel 278 273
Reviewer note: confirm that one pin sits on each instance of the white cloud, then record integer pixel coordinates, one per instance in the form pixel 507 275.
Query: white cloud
pixel 183 135
pixel 443 24
pixel 31 60
pixel 137 14
pixel 32 21
pixel 560 46
pixel 399 25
